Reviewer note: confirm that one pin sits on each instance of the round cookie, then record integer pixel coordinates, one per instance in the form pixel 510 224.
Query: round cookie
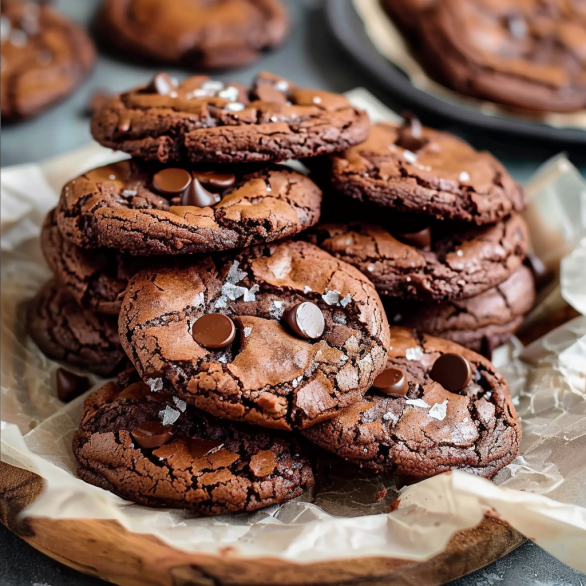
pixel 416 169
pixel 64 331
pixel 435 262
pixel 201 120
pixel 428 430
pixel 199 34
pixel 44 58
pixel 480 323
pixel 194 461
pixel 121 206
pixel 284 369
pixel 527 55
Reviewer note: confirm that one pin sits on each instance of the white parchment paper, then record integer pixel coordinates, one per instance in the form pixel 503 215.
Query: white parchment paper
pixel 542 493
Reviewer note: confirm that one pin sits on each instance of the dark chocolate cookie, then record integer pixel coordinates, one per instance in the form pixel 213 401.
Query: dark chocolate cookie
pixel 44 58
pixel 282 336
pixel 201 120
pixel 413 425
pixel 66 332
pixel 143 209
pixel 428 260
pixel 199 34
pixel 415 169
pixel 154 449
pixel 528 55
pixel 480 323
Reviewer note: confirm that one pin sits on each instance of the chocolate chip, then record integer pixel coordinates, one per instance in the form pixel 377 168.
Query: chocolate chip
pixel 152 434
pixel 486 347
pixel 391 381
pixel 268 93
pixel 411 133
pixel 306 320
pixel 215 180
pixel 197 195
pixel 70 385
pixel 213 331
pixel 452 371
pixel 420 239
pixel 171 181
pixel 162 84
pixel 198 448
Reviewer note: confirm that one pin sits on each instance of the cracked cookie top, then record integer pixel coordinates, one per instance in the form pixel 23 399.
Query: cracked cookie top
pixel 273 366
pixel 199 34
pixel 428 260
pixel 416 169
pixel 121 206
pixel 64 331
pixel 44 58
pixel 202 120
pixel 154 449
pixel 424 429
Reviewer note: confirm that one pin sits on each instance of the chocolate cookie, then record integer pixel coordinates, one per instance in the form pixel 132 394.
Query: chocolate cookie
pixel 411 424
pixel 155 450
pixel 44 58
pixel 64 331
pixel 282 336
pixel 416 169
pixel 428 260
pixel 143 209
pixel 480 323
pixel 528 55
pixel 201 120
pixel 199 34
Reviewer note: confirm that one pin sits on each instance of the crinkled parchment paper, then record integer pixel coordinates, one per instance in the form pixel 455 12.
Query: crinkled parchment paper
pixel 542 493
pixel 389 41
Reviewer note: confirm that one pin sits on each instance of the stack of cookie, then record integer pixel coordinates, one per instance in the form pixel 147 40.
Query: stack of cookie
pixel 177 270
pixel 436 228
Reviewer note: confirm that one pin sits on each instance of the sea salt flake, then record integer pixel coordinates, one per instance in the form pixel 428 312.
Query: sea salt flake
pixel 155 384
pixel 180 404
pixel 249 294
pixel 370 268
pixel 466 420
pixel 339 318
pixel 212 85
pixel 307 289
pixel 410 157
pixel 220 302
pixel 247 331
pixel 461 282
pixel 233 292
pixel 459 252
pixel 390 416
pixel 169 415
pixel 230 93
pixel 129 192
pixel 290 472
pixel 438 410
pixel 282 85
pixel 273 119
pixel 235 275
pixel 316 100
pixel 276 309
pixel 417 403
pixel 331 297
pixel 234 107
pixel 516 400
pixel 111 177
pixel 464 176
pixel 223 359
pixel 414 353
pixel 346 300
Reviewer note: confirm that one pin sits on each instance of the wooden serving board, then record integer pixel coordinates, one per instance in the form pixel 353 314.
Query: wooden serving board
pixel 107 550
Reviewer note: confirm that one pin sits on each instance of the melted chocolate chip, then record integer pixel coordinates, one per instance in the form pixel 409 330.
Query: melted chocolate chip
pixel 268 93
pixel 306 320
pixel 162 84
pixel 392 381
pixel 420 239
pixel 452 371
pixel 152 434
pixel 214 331
pixel 541 274
pixel 70 385
pixel 411 134
pixel 198 448
pixel 197 195
pixel 486 347
pixel 214 180
pixel 171 181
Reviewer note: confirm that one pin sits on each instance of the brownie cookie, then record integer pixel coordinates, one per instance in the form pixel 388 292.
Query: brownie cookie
pixel 155 450
pixel 480 323
pixel 143 209
pixel 282 336
pixel 416 169
pixel 529 55
pixel 199 34
pixel 201 120
pixel 438 407
pixel 428 260
pixel 44 58
pixel 64 331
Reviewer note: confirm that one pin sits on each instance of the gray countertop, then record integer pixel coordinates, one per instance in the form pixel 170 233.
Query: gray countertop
pixel 311 58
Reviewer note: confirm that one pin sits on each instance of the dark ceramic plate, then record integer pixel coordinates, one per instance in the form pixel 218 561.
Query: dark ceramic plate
pixel 348 28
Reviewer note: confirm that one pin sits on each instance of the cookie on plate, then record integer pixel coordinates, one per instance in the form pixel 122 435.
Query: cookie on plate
pixel 415 169
pixel 155 450
pixel 64 331
pixel 44 58
pixel 419 258
pixel 145 209
pixel 437 407
pixel 198 34
pixel 202 120
pixel 480 323
pixel 527 55
pixel 282 335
